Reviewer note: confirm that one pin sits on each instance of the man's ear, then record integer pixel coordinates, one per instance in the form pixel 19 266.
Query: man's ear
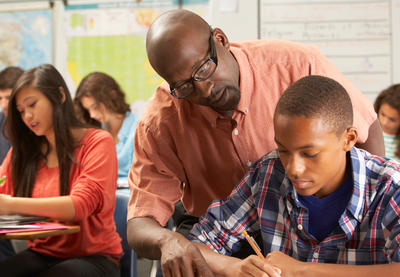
pixel 61 89
pixel 221 37
pixel 350 136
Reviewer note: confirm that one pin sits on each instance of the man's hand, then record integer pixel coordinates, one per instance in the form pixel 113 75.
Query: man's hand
pixel 290 267
pixel 179 257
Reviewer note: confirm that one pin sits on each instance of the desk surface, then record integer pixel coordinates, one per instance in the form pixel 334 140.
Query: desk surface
pixel 40 233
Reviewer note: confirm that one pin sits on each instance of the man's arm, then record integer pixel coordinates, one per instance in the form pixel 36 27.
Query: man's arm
pixel 179 257
pixel 293 268
pixel 374 143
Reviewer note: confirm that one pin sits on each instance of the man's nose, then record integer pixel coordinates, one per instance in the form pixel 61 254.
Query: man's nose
pixel 204 87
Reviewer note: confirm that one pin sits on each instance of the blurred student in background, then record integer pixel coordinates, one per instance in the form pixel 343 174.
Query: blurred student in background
pixel 387 106
pixel 59 168
pixel 8 77
pixel 100 100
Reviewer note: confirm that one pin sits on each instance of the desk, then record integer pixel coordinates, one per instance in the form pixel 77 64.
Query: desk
pixel 30 235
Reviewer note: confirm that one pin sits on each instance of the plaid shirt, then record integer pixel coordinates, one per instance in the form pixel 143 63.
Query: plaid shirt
pixel 368 231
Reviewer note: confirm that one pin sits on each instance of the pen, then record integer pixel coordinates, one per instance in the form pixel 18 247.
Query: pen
pixel 253 245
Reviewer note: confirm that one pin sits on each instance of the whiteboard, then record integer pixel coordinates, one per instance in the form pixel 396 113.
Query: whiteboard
pixel 361 37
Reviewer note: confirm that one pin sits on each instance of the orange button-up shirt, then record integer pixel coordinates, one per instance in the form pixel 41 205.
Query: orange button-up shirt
pixel 190 152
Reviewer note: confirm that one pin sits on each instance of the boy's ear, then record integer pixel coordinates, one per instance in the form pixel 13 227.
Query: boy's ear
pixel 350 136
pixel 62 94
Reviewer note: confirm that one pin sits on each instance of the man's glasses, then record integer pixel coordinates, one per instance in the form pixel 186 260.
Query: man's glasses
pixel 203 72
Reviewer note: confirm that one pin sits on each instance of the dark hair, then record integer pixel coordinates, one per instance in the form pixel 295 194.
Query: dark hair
pixel 9 76
pixel 390 96
pixel 105 90
pixel 27 147
pixel 318 96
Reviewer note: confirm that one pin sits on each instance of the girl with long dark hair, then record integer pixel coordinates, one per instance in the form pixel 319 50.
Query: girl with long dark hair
pixel 59 168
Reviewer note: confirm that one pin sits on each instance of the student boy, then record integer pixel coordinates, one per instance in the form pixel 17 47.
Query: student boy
pixel 322 206
pixel 8 77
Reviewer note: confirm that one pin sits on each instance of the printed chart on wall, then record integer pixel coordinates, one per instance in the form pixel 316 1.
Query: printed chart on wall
pixel 110 37
pixel 355 35
pixel 25 38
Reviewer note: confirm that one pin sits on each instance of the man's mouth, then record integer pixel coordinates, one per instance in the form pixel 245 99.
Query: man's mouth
pixel 216 97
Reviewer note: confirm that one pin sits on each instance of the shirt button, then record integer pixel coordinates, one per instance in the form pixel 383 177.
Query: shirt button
pixel 249 163
pixel 360 217
pixel 315 255
pixel 246 110
pixel 236 132
pixel 300 227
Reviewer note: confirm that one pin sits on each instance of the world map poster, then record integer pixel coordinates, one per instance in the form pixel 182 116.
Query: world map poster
pixel 110 37
pixel 25 38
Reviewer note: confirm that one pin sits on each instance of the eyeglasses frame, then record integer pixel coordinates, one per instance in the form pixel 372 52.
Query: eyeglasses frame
pixel 212 57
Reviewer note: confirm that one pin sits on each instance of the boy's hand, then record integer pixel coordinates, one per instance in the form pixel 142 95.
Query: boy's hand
pixel 252 266
pixel 290 267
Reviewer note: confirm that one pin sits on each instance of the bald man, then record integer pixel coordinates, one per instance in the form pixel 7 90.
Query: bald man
pixel 207 123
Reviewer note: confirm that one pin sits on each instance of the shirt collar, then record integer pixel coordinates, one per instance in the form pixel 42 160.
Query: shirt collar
pixel 125 129
pixel 357 200
pixel 246 78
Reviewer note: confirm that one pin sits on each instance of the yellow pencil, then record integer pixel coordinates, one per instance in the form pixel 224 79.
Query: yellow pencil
pixel 253 245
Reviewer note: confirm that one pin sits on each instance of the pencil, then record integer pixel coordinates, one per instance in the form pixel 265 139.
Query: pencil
pixel 253 245
pixel 2 179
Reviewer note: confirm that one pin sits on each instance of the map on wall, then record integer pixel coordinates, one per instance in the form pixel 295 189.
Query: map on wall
pixel 110 37
pixel 25 38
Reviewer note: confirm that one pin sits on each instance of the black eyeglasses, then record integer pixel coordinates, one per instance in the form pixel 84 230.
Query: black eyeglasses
pixel 184 88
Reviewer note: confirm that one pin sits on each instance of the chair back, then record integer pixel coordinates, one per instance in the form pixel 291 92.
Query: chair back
pixel 129 260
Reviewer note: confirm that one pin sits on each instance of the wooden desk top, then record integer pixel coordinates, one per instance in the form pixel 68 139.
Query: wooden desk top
pixel 40 233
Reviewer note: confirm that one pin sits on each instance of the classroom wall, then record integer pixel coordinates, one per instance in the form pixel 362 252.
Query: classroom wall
pixel 239 19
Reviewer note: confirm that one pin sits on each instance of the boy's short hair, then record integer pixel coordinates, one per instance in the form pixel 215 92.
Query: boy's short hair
pixel 9 76
pixel 318 96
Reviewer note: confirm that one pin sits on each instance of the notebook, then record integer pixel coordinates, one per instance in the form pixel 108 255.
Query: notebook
pixel 16 219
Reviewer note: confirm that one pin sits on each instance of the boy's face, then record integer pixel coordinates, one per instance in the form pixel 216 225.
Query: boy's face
pixel 313 155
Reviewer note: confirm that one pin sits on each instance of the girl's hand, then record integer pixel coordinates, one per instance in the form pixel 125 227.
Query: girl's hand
pixel 5 201
pixel 252 266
